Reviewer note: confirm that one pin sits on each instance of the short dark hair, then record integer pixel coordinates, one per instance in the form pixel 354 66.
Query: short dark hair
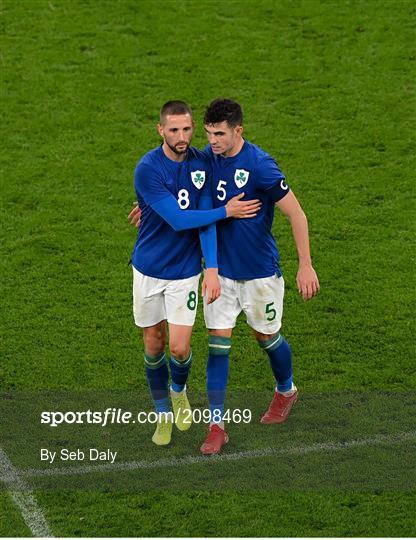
pixel 224 110
pixel 174 108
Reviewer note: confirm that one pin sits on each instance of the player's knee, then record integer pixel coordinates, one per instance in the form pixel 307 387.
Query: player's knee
pixel 264 337
pixel 154 351
pixel 154 339
pixel 154 345
pixel 179 351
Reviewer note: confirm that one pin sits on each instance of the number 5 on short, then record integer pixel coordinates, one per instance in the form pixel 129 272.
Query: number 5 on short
pixel 271 312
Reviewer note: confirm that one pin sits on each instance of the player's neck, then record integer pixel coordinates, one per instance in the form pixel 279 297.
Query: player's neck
pixel 236 149
pixel 173 156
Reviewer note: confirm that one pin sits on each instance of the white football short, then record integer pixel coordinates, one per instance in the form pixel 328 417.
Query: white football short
pixel 260 299
pixel 155 300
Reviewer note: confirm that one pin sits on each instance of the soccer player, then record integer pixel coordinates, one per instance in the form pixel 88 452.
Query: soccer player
pixel 248 264
pixel 172 184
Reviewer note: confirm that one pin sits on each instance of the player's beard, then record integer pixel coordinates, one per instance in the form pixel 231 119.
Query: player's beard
pixel 176 151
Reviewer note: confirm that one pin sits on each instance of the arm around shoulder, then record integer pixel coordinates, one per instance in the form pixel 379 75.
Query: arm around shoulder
pixel 181 220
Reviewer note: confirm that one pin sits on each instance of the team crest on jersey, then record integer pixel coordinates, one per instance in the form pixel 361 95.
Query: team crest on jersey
pixel 198 178
pixel 241 177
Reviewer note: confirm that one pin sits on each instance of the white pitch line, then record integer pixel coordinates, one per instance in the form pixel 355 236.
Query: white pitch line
pixel 247 454
pixel 23 497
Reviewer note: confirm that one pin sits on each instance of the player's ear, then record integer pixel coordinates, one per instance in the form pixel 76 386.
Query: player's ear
pixel 159 128
pixel 239 130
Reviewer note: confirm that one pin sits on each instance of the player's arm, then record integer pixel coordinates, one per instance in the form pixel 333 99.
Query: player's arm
pixel 135 215
pixel 211 287
pixel 149 183
pixel 271 179
pixel 306 279
pixel 181 220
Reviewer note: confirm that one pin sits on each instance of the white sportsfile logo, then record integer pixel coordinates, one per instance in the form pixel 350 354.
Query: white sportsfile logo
pixel 198 178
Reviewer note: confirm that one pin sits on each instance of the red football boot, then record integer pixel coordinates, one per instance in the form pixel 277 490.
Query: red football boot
pixel 216 439
pixel 279 408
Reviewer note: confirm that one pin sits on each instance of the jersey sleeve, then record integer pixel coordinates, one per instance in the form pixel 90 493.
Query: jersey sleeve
pixel 208 235
pixel 269 178
pixel 181 220
pixel 148 183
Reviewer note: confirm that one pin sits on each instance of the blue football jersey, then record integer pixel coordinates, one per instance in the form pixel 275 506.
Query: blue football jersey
pixel 160 251
pixel 246 247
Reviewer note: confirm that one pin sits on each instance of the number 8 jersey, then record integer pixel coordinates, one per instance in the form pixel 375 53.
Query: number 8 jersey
pixel 160 251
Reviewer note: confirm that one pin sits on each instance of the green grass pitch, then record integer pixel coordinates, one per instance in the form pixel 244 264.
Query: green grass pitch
pixel 327 88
